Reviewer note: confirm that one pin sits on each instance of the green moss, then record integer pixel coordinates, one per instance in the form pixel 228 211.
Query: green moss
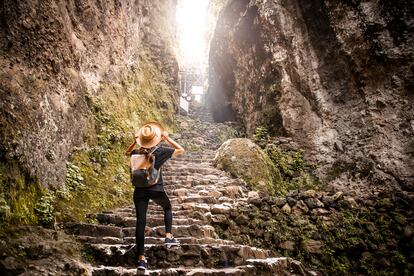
pixel 19 194
pixel 272 170
pixel 98 174
pixel 87 254
pixel 226 133
pixel 356 241
pixel 295 174
pixel 242 158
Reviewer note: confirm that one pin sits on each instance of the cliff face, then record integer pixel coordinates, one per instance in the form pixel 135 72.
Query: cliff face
pixel 78 73
pixel 337 76
pixel 53 53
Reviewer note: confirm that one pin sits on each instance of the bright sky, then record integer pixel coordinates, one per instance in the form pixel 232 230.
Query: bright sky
pixel 191 22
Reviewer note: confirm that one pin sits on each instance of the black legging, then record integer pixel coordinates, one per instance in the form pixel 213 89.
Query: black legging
pixel 141 199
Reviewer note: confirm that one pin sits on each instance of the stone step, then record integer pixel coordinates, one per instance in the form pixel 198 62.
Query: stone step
pixel 175 203
pixel 159 212
pixel 194 203
pixel 197 184
pixel 173 163
pixel 203 179
pixel 192 170
pixel 98 230
pixel 189 255
pixel 151 240
pixel 152 220
pixel 197 154
pixel 247 270
pixel 190 160
pixel 217 192
pixel 195 159
pixel 200 199
pixel 181 206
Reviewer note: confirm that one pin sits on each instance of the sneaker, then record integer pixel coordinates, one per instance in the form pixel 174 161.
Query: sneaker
pixel 171 242
pixel 142 265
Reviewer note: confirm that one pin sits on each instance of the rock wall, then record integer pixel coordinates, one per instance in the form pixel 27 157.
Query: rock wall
pixel 336 76
pixel 52 53
pixel 335 233
pixel 59 59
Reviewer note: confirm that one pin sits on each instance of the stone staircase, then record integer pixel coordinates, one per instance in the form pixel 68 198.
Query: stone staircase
pixel 199 193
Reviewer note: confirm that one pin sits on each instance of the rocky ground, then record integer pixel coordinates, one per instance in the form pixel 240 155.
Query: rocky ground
pixel 200 195
pixel 225 228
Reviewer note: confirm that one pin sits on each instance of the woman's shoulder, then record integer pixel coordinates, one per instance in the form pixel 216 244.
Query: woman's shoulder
pixel 163 149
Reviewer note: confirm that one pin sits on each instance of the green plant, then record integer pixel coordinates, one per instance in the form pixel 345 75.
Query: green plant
pixel 74 182
pixel 87 254
pixel 292 168
pixel 261 133
pixel 44 210
pixel 288 162
pixel 21 250
pixel 4 209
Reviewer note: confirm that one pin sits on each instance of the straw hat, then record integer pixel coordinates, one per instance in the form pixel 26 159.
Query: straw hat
pixel 149 135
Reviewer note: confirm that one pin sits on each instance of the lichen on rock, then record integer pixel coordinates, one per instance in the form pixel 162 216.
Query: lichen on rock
pixel 241 157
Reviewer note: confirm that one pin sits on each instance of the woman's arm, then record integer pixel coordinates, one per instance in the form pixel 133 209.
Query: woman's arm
pixel 131 147
pixel 178 148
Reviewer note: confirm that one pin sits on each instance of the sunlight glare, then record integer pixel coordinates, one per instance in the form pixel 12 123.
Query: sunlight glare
pixel 191 19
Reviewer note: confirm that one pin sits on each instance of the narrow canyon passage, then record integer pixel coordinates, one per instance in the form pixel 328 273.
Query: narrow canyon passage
pixel 297 120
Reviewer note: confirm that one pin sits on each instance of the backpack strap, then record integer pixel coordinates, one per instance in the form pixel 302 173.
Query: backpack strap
pixel 153 163
pixel 156 147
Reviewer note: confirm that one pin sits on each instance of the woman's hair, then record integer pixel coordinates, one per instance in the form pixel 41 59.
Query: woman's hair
pixel 145 151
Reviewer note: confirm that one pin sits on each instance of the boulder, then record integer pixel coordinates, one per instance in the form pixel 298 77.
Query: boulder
pixel 220 209
pixel 312 246
pixel 309 193
pixel 215 194
pixel 241 219
pixel 314 203
pixel 286 209
pixel 298 267
pixel 288 245
pixel 242 158
pixel 300 208
pixel 233 191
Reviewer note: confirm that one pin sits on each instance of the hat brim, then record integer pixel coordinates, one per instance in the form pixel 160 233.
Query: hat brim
pixel 155 141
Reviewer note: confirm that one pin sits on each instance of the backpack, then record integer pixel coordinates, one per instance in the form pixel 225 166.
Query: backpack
pixel 144 177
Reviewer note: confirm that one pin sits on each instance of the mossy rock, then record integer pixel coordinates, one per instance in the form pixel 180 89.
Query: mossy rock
pixel 242 158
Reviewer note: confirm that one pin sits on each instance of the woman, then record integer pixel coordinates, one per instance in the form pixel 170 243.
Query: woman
pixel 148 138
